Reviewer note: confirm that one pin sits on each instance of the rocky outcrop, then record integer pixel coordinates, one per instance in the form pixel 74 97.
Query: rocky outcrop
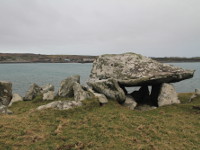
pixel 15 98
pixel 167 95
pixel 111 74
pixel 66 86
pixel 110 88
pixel 61 105
pixel 5 93
pixel 33 92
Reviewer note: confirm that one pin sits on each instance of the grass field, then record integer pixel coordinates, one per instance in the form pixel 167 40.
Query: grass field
pixel 109 127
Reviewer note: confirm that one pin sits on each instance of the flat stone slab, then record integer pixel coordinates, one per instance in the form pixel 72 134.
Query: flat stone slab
pixel 131 69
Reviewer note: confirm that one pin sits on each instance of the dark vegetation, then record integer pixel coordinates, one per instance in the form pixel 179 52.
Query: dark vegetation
pixel 93 127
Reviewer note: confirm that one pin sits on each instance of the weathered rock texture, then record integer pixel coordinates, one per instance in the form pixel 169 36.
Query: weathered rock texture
pixel 112 73
pixel 33 91
pixel 61 105
pixel 15 98
pixel 47 88
pixel 131 69
pixel 81 93
pixel 48 95
pixel 167 95
pixel 110 88
pixel 66 86
pixel 71 87
pixel 5 93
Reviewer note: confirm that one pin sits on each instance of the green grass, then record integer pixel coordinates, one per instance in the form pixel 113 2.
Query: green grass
pixel 93 127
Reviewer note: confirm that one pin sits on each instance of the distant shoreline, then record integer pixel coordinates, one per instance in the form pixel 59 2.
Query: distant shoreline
pixel 10 58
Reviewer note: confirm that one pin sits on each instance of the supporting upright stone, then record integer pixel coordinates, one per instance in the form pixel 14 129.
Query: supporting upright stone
pixel 167 95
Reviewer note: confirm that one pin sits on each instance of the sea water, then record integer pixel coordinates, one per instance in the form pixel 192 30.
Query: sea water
pixel 24 74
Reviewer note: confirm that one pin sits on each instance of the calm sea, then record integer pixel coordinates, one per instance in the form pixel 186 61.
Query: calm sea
pixel 23 75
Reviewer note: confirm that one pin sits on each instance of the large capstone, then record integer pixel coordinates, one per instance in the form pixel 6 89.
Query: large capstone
pixel 111 74
pixel 132 69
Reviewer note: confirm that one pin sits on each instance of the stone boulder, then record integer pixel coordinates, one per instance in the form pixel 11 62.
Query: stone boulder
pixel 81 93
pixel 130 102
pixel 132 69
pixel 48 95
pixel 66 86
pixel 15 98
pixel 5 110
pixel 5 93
pixel 111 74
pixel 110 88
pixel 33 92
pixel 100 97
pixel 47 88
pixel 197 92
pixel 61 105
pixel 167 95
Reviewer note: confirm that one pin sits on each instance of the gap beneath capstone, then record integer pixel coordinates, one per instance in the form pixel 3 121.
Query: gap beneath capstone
pixel 144 95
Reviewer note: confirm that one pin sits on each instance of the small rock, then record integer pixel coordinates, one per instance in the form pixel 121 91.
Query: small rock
pixel 5 110
pixel 61 105
pixel 15 98
pixel 48 95
pixel 130 102
pixel 79 92
pixel 49 105
pixel 5 93
pixel 197 92
pixel 47 88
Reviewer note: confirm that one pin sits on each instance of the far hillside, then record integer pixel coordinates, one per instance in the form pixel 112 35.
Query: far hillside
pixel 39 58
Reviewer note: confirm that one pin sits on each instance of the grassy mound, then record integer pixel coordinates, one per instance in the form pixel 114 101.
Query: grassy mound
pixel 93 127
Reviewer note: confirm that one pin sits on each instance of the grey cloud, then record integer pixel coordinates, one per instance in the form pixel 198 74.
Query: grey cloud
pixel 152 28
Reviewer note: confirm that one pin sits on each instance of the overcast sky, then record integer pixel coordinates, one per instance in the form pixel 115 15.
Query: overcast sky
pixel 94 27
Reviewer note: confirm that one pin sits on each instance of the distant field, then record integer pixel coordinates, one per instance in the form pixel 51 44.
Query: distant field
pixel 93 127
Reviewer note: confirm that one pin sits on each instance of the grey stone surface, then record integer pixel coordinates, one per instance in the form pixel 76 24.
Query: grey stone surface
pixel 130 102
pixel 132 69
pixel 33 91
pixel 15 98
pixel 197 92
pixel 79 92
pixel 167 95
pixel 5 110
pixel 5 93
pixel 47 88
pixel 66 86
pixel 48 95
pixel 61 105
pixel 110 88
